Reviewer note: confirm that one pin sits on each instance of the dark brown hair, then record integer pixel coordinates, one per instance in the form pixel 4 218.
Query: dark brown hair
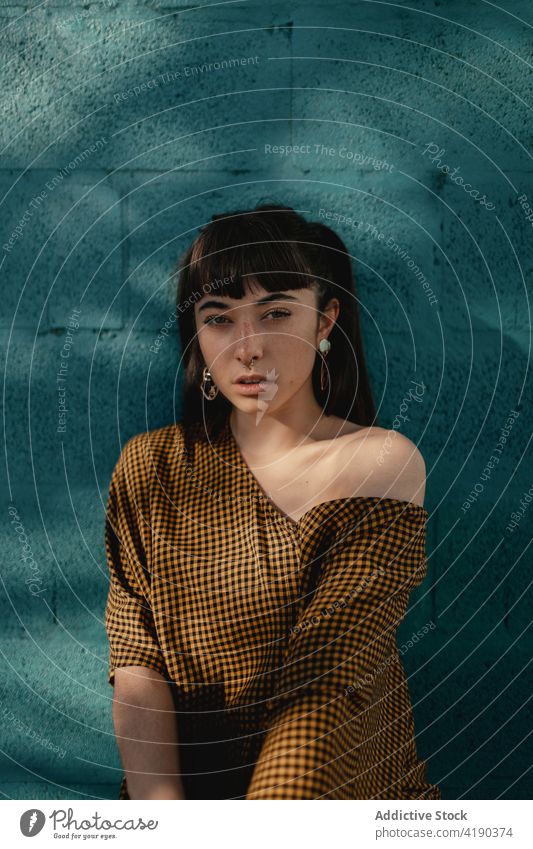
pixel 276 245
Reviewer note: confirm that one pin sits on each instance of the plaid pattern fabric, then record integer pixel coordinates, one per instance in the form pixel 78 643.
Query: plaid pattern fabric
pixel 277 637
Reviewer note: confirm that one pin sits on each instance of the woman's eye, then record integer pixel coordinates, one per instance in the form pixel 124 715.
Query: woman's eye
pixel 212 319
pixel 281 313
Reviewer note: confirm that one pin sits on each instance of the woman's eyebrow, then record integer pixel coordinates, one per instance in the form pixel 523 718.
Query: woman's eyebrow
pixel 275 296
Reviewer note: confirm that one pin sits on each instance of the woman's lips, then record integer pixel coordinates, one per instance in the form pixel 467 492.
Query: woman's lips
pixel 251 388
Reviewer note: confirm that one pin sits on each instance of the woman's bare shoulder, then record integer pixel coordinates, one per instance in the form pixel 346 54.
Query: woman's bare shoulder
pixel 389 463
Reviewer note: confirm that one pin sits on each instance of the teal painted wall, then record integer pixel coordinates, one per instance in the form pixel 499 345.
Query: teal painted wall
pixel 115 148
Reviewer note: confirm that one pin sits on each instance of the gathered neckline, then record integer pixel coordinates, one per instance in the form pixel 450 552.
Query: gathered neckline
pixel 342 503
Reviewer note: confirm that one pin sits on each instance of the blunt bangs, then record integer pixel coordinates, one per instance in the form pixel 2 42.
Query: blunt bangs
pixel 228 256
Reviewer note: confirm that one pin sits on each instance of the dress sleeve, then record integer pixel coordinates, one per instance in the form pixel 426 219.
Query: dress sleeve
pixel 319 727
pixel 129 621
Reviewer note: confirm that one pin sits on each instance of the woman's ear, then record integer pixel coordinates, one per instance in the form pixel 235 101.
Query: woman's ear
pixel 329 315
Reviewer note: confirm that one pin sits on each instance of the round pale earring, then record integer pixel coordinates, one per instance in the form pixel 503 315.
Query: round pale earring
pixel 213 390
pixel 324 348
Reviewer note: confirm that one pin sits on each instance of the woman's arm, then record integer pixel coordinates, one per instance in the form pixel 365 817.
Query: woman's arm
pixel 143 707
pixel 319 725
pixel 146 731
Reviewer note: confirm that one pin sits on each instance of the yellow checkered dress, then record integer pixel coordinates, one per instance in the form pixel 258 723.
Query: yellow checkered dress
pixel 277 637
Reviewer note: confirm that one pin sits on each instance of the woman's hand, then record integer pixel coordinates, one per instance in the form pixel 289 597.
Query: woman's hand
pixel 172 790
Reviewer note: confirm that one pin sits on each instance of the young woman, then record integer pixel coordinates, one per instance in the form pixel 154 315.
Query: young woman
pixel 262 550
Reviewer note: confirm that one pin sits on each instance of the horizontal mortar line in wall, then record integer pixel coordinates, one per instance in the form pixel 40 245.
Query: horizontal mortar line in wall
pixel 28 331
pixel 112 171
pixel 125 330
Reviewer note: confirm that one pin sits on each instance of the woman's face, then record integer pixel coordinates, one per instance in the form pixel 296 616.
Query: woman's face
pixel 280 330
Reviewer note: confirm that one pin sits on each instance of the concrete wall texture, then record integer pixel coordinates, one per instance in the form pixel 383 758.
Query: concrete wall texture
pixel 125 127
